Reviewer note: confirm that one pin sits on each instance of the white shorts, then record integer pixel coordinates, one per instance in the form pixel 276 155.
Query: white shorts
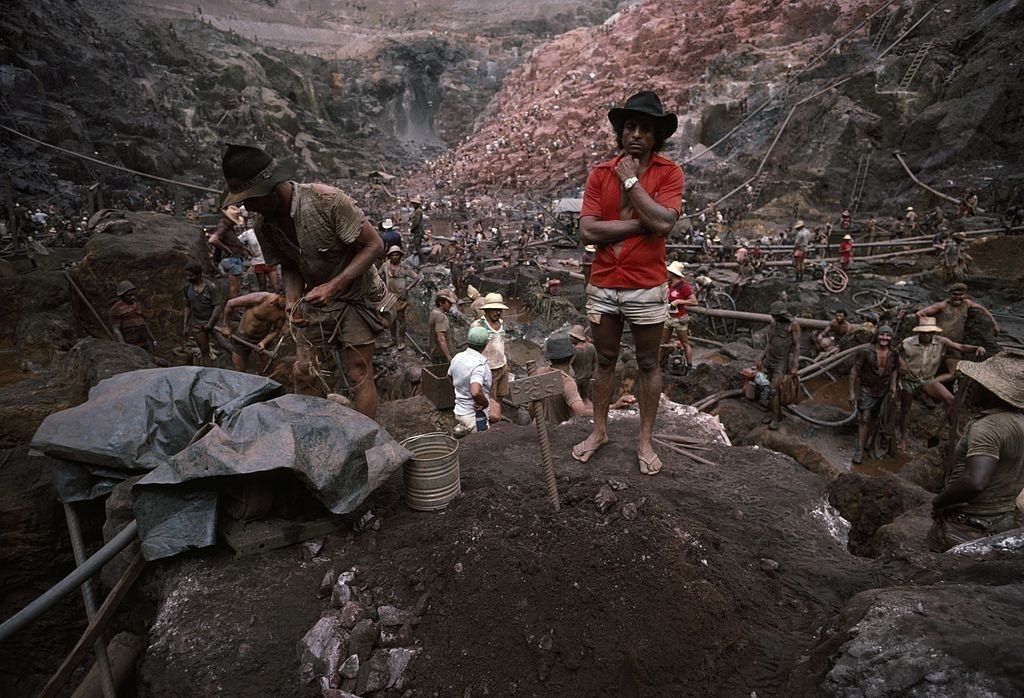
pixel 639 306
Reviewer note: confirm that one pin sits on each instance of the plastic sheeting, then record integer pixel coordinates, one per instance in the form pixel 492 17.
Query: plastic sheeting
pixel 144 421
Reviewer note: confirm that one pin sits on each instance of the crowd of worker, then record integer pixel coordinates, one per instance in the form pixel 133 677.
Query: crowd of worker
pixel 335 283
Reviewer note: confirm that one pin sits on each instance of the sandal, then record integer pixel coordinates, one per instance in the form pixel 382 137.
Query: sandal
pixel 585 455
pixel 651 466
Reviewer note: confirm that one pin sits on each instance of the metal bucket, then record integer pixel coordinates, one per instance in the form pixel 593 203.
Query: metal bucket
pixel 432 476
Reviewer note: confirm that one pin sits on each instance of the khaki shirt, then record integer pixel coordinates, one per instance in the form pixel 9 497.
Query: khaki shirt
pixel 557 407
pixel 327 224
pixel 438 322
pixel 997 433
pixel 922 359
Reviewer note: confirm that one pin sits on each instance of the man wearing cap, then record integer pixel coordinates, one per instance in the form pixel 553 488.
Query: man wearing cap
pixel 400 278
pixel 801 241
pixel 781 358
pixel 921 355
pixel 846 251
pixel 438 327
pixel 979 498
pixel 202 308
pixel 472 380
pixel 127 321
pixel 389 235
pixel 873 376
pixel 559 351
pixel 225 239
pixel 584 360
pixel 951 317
pixel 416 225
pixel 263 317
pixel 492 307
pixel 326 249
pixel 680 295
pixel 630 205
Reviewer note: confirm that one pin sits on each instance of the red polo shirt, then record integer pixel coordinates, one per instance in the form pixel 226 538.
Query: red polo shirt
pixel 641 263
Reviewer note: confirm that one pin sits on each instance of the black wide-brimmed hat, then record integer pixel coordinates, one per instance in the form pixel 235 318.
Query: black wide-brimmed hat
pixel 648 104
pixel 250 172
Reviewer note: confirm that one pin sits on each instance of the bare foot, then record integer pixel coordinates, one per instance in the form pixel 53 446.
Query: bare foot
pixel 587 448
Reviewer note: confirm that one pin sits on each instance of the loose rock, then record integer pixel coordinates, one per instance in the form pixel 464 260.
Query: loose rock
pixel 605 499
pixel 389 615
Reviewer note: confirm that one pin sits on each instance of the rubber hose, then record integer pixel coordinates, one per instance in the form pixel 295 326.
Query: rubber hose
pixel 821 423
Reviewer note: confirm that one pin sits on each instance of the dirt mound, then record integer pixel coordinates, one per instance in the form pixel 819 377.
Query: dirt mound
pixel 998 257
pixel 701 580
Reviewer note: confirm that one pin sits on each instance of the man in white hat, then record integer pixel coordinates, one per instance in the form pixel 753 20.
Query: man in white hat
pixel 680 296
pixel 400 278
pixel 439 328
pixel 921 356
pixel 911 220
pixel 389 235
pixel 801 241
pixel 988 474
pixel 493 306
pixel 846 251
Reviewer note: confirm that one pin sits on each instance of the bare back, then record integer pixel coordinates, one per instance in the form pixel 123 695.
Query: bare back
pixel 263 315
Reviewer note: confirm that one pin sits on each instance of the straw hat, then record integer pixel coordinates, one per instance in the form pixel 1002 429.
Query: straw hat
pixel 590 248
pixel 676 268
pixel 847 237
pixel 577 332
pixel 798 224
pixel 1003 375
pixel 472 292
pixel 928 324
pixel 448 295
pixel 387 224
pixel 494 301
pixel 393 249
pixel 910 208
pixel 416 200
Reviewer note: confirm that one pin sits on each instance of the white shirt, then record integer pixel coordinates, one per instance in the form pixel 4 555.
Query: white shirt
pixel 248 238
pixel 468 367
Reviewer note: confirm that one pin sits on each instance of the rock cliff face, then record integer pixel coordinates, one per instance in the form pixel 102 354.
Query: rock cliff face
pixel 159 87
pixel 957 115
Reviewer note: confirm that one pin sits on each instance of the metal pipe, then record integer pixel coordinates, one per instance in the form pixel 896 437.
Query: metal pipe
pixel 932 190
pixel 809 323
pixel 88 596
pixel 58 591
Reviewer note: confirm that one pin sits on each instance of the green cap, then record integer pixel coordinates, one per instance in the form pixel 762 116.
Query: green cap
pixel 478 337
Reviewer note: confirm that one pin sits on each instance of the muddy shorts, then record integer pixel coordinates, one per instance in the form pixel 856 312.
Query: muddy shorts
pixel 239 348
pixel 639 306
pixel 910 384
pixel 776 367
pixel 866 401
pixel 679 324
pixel 335 329
pixel 233 266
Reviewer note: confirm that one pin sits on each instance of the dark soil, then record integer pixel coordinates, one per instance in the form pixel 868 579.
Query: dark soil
pixel 715 587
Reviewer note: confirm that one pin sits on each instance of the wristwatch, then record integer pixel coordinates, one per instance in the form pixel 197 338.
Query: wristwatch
pixel 629 183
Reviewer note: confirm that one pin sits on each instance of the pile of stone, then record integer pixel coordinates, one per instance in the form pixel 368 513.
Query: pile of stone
pixel 358 648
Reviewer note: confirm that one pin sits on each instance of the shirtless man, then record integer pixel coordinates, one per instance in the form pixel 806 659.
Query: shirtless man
pixel 261 323
pixel 951 317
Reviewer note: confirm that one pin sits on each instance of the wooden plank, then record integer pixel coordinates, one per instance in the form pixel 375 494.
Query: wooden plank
pixel 534 388
pixel 99 622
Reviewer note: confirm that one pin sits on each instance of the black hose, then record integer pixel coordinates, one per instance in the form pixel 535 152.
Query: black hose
pixel 822 423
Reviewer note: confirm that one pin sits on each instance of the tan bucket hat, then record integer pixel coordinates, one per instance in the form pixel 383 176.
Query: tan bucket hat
pixel 676 268
pixel 798 224
pixel 472 292
pixel 848 237
pixel 393 249
pixel 928 324
pixel 448 295
pixel 494 301
pixel 1003 375
pixel 577 332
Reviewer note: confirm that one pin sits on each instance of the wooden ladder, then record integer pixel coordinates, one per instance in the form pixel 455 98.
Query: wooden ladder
pixel 758 186
pixel 915 64
pixel 859 180
pixel 883 30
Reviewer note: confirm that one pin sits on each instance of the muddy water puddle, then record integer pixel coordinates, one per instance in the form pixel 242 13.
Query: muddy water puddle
pixel 9 371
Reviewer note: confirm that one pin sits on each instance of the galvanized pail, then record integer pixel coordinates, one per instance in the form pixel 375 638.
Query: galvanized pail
pixel 432 476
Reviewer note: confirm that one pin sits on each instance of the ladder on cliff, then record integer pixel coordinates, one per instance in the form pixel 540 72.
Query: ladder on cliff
pixel 915 64
pixel 758 185
pixel 883 30
pixel 859 180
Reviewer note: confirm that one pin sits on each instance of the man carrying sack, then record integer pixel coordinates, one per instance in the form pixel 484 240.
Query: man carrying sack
pixel 326 249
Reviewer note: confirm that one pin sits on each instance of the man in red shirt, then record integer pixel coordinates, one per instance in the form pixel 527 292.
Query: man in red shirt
pixel 846 251
pixel 680 295
pixel 630 205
